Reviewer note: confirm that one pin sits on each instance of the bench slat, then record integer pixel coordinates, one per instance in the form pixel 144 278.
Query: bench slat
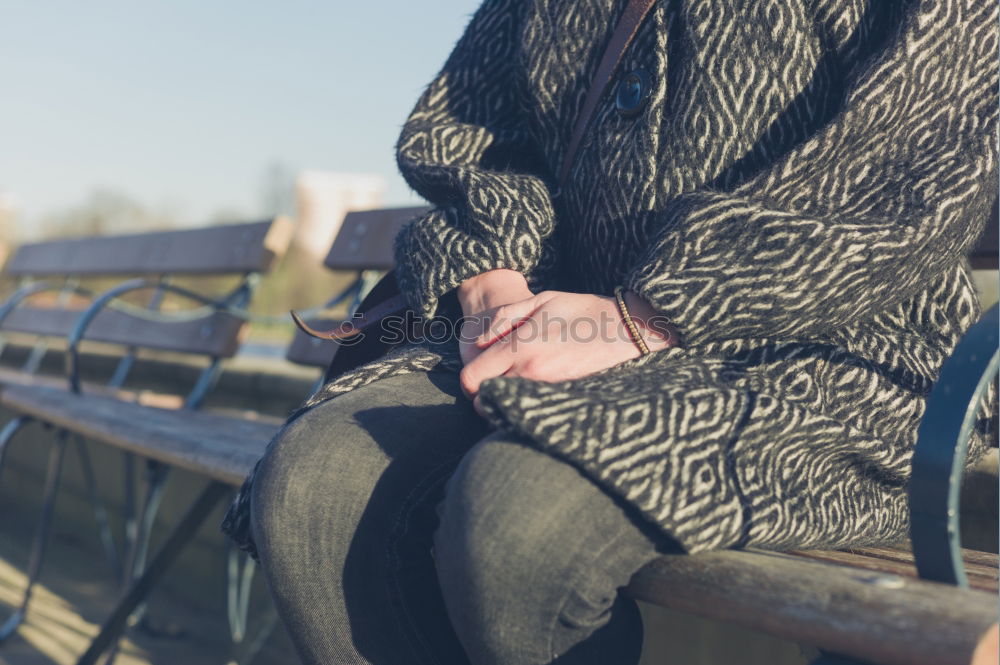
pixel 905 555
pixel 312 351
pixel 145 397
pixel 215 250
pixel 874 617
pixel 218 334
pixel 900 562
pixel 365 239
pixel 220 447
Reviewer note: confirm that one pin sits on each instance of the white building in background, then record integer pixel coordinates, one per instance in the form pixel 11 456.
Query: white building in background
pixel 322 198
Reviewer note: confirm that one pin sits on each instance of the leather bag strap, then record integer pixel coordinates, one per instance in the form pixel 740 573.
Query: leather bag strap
pixel 625 31
pixel 392 305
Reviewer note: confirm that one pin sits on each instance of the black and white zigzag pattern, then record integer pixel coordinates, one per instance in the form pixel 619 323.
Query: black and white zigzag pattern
pixel 798 197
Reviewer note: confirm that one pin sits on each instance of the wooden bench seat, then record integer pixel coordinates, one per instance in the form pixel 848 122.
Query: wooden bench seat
pixel 874 616
pixel 219 447
pixel 12 377
pixel 981 567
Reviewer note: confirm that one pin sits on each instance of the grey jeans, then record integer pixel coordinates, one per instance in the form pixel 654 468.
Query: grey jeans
pixel 395 529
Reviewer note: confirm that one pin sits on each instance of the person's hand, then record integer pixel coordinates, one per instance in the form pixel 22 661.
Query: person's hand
pixel 556 336
pixel 480 297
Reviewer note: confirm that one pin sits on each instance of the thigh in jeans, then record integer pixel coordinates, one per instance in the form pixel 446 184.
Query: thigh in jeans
pixel 343 514
pixel 531 555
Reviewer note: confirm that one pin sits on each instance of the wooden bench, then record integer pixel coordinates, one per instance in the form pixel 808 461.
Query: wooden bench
pixel 86 290
pixel 222 448
pixel 864 603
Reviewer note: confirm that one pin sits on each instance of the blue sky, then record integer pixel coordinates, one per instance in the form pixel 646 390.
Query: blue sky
pixel 183 104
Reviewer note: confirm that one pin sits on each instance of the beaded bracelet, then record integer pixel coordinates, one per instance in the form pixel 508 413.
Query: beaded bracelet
pixel 633 330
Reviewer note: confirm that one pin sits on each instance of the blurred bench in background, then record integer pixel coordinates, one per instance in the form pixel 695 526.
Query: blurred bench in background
pixel 181 292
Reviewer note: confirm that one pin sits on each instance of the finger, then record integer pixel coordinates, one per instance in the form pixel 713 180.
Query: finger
pixel 532 367
pixel 494 361
pixel 505 320
pixel 477 404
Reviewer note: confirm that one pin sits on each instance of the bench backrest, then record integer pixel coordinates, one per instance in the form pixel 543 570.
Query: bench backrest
pixel 215 250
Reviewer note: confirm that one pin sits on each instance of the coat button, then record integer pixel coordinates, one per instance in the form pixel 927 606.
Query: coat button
pixel 633 92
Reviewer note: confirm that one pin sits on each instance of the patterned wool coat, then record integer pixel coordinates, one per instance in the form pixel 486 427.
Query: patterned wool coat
pixel 797 194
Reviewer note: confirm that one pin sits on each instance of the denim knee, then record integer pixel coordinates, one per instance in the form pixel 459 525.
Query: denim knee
pixel 526 555
pixel 311 476
pixel 280 496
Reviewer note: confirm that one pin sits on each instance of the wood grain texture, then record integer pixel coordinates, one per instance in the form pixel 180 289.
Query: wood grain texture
pixel 365 239
pixel 218 334
pixel 215 250
pixel 220 447
pixel 9 376
pixel 981 567
pixel 881 618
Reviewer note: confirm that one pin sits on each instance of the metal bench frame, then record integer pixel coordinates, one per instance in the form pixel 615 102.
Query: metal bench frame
pixel 128 564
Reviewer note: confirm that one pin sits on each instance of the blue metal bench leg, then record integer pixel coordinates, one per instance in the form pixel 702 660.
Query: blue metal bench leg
pixel 138 548
pixel 240 573
pixel 239 578
pixel 250 648
pixel 100 511
pixel 137 592
pixel 8 432
pixel 41 532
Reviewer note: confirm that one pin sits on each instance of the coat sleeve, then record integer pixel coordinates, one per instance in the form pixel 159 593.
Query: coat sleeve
pixel 890 193
pixel 466 149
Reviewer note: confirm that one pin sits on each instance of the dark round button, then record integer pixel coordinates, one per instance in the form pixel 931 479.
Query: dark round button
pixel 633 92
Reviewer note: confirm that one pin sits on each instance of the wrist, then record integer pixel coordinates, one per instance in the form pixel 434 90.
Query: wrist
pixel 492 289
pixel 656 329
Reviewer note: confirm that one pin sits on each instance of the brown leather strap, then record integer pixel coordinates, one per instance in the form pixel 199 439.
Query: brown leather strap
pixel 625 30
pixel 351 327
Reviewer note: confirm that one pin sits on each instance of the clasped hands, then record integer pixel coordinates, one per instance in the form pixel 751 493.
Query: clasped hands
pixel 550 336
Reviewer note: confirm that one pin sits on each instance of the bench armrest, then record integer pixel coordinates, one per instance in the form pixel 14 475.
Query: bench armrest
pixel 942 446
